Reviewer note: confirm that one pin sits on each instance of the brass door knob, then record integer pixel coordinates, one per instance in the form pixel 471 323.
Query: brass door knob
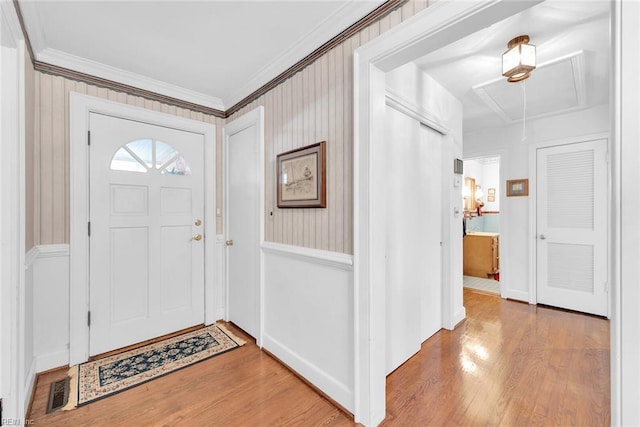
pixel 198 222
pixel 197 237
pixel 229 242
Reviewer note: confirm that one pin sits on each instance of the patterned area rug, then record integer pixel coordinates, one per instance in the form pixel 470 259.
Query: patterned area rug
pixel 103 377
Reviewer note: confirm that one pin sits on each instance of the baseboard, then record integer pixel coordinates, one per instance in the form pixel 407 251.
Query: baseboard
pixel 327 384
pixel 459 316
pixel 517 295
pixel 50 361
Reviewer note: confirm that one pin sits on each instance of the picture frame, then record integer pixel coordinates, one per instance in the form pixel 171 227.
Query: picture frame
pixel 517 187
pixel 301 177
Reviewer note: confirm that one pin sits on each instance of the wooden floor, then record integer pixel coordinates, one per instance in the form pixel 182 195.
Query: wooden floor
pixel 508 364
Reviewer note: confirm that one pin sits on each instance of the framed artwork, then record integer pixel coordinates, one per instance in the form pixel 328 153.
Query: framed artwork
pixel 301 179
pixel 517 187
pixel 491 198
pixel 491 192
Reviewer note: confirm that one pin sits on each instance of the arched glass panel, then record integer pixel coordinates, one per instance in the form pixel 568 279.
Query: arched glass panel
pixel 145 154
pixel 177 167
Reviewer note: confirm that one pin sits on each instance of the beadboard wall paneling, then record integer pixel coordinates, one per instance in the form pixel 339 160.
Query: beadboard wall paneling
pixel 50 209
pixel 316 104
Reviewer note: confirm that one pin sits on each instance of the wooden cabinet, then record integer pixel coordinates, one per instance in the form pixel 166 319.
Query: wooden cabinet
pixel 481 257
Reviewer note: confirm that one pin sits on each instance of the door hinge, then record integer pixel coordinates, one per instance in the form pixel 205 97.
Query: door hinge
pixel 88 318
pixel 88 137
pixel 89 228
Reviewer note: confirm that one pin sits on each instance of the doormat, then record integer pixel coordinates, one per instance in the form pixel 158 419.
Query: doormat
pixel 103 377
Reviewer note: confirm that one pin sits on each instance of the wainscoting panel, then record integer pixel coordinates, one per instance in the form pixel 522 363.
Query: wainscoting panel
pixel 51 306
pixel 308 316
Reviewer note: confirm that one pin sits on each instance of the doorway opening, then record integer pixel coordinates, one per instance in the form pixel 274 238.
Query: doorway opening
pixel 481 225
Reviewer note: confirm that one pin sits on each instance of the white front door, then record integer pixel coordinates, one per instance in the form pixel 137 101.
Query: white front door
pixel 572 226
pixel 146 231
pixel 243 218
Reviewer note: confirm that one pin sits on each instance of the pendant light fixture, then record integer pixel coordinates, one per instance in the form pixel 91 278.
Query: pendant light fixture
pixel 519 60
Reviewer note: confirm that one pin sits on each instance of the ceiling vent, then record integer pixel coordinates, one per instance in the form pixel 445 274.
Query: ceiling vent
pixel 557 87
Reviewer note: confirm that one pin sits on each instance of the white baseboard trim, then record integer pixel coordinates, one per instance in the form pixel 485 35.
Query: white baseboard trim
pixel 327 384
pixel 52 360
pixel 459 316
pixel 517 295
pixel 331 259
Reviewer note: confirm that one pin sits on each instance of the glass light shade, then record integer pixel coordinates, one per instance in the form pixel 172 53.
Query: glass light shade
pixel 518 61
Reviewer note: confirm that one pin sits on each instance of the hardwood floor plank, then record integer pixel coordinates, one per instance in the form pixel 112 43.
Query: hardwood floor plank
pixel 507 364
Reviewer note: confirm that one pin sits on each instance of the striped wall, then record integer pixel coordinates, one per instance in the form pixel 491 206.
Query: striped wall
pixel 314 105
pixel 51 150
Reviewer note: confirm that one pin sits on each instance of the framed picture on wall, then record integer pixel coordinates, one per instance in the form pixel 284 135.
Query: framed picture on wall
pixel 517 187
pixel 301 179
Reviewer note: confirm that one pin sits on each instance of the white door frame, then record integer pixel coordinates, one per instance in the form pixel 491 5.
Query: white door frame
pixel 253 118
pixel 81 106
pixel 502 221
pixel 16 379
pixel 435 27
pixel 533 212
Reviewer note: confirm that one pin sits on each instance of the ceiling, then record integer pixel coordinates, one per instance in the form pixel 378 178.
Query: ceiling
pixel 213 53
pixel 573 57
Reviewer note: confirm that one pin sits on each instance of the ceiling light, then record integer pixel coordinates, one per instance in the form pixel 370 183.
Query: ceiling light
pixel 519 59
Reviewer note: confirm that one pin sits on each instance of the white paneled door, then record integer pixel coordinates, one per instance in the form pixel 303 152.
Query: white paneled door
pixel 146 231
pixel 243 174
pixel 572 226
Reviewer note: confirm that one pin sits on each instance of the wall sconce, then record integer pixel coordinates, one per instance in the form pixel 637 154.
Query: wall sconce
pixel 519 60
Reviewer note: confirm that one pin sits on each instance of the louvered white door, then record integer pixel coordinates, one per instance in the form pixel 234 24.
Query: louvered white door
pixel 572 226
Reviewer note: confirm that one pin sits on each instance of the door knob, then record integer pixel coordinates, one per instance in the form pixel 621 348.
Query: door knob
pixel 198 222
pixel 229 242
pixel 197 237
pixel 543 237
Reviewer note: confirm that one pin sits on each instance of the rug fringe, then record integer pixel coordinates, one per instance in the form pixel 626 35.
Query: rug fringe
pixel 233 336
pixel 72 403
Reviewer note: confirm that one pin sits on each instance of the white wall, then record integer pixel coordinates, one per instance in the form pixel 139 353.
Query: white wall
pixel 625 341
pixel 514 163
pixel 308 318
pixel 437 108
pixel 51 306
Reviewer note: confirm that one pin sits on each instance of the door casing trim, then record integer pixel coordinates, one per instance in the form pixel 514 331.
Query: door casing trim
pixel 80 107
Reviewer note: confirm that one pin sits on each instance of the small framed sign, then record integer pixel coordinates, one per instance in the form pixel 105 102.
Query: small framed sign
pixel 517 187
pixel 302 181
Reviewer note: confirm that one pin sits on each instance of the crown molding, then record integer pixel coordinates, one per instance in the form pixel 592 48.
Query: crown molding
pixel 374 16
pixel 331 26
pixel 86 66
pixel 56 62
pixel 28 12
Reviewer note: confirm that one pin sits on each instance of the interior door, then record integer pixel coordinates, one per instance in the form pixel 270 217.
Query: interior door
pixel 572 226
pixel 413 235
pixel 146 231
pixel 242 221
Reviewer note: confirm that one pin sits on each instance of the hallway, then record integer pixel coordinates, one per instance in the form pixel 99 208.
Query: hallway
pixel 509 363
